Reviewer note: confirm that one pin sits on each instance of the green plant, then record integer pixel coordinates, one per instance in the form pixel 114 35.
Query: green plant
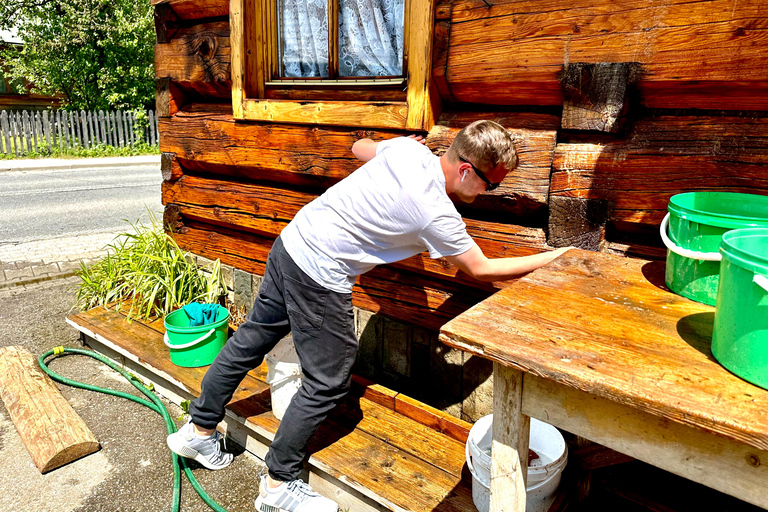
pixel 102 150
pixel 147 269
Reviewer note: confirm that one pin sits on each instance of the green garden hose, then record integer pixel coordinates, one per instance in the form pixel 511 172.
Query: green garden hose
pixel 153 403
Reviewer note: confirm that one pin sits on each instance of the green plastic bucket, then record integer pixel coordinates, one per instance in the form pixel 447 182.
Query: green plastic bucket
pixel 193 346
pixel 740 333
pixel 697 222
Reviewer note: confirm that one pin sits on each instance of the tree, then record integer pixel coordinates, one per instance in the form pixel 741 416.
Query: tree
pixel 98 54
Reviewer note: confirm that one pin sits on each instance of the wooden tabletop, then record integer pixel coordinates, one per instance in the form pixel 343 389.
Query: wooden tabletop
pixel 607 325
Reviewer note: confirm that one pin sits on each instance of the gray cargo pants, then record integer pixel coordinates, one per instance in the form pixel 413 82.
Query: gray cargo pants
pixel 322 323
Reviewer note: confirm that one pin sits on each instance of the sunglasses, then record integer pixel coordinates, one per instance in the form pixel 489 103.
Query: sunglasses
pixel 488 185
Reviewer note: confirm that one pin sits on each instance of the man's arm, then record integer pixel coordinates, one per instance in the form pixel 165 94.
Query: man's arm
pixel 477 265
pixel 364 149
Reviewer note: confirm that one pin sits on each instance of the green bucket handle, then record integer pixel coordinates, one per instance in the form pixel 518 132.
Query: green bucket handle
pixel 761 281
pixel 686 253
pixel 187 345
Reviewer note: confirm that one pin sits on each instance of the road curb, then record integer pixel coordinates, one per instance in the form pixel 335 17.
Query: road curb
pixel 61 164
pixel 35 280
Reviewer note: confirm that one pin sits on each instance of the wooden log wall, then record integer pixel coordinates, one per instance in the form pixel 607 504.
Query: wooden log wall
pixel 686 110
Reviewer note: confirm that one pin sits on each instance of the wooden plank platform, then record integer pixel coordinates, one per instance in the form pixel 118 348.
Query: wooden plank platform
pixel 370 454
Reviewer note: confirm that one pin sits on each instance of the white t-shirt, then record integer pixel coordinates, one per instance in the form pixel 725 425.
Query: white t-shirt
pixel 389 209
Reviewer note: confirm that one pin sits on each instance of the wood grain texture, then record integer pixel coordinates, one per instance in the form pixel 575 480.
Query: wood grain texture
pixel 524 191
pixel 663 156
pixel 509 448
pixel 266 210
pixel 605 325
pixel 209 137
pixel 718 462
pixel 199 53
pixel 51 430
pixel 196 9
pixel 511 52
pixel 370 447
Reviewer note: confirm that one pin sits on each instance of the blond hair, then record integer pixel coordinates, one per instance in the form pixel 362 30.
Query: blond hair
pixel 486 144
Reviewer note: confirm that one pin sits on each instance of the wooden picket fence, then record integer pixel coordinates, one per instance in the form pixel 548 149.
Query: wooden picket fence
pixel 24 131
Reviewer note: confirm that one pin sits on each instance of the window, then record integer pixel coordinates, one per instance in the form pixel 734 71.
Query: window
pixel 339 62
pixel 3 86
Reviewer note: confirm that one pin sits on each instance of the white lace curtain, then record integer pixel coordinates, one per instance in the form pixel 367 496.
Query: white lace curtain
pixel 370 37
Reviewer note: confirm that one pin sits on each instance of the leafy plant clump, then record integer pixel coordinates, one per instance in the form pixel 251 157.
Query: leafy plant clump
pixel 149 271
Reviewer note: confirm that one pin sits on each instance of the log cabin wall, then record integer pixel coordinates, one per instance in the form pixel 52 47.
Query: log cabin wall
pixel 615 107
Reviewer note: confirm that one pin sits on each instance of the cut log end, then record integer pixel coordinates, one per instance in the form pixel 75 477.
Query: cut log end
pixel 71 454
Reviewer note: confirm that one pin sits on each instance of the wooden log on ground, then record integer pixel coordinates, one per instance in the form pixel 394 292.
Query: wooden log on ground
pixel 50 428
pixel 512 52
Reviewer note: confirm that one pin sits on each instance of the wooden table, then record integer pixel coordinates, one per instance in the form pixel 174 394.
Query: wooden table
pixel 596 345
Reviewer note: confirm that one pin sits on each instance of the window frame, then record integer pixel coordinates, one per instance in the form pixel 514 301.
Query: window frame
pixel 254 62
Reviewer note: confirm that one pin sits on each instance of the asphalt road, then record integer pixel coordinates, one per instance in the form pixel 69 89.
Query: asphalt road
pixel 37 205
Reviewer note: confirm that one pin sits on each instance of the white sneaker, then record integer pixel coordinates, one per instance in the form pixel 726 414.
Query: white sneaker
pixel 293 496
pixel 205 450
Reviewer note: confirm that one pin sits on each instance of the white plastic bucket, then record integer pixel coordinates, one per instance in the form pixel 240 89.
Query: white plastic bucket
pixel 283 375
pixel 543 474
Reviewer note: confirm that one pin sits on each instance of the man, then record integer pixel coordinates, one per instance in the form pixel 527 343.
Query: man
pixel 393 207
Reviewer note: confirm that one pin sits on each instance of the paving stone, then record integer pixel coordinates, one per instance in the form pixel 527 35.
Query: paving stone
pixel 17 275
pixel 45 270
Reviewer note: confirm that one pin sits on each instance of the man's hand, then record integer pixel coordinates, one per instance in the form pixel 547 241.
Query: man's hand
pixel 418 138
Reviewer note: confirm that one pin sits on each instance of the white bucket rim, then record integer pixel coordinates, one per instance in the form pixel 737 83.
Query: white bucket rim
pixel 536 475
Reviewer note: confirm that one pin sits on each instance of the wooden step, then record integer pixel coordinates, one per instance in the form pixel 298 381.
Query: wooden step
pixel 378 450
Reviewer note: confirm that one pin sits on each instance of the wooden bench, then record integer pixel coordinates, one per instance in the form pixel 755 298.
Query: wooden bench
pixel 596 345
pixel 379 450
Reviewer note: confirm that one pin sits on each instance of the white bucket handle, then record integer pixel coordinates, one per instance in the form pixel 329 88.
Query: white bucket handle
pixel 186 345
pixel 686 253
pixel 761 281
pixel 468 456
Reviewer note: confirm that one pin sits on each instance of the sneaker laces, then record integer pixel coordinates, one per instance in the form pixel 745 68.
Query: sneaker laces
pixel 217 453
pixel 301 490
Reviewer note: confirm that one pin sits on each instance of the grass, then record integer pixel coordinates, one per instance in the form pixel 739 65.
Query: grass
pixel 102 150
pixel 146 269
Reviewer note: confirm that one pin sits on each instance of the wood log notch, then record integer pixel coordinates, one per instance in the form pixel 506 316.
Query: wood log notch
pixel 170 167
pixel 169 99
pixel 195 9
pixel 577 222
pixel 442 38
pixel 597 96
pixel 50 428
pixel 165 23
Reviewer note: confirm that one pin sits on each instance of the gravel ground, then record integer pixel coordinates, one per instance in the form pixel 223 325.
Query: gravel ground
pixel 132 471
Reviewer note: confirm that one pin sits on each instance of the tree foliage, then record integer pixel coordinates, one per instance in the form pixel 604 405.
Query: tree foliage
pixel 98 54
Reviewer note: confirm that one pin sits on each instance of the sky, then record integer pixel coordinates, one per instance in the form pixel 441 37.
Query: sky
pixel 9 36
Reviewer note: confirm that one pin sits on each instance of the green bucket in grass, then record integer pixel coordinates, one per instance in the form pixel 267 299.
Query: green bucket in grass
pixel 697 222
pixel 740 332
pixel 193 346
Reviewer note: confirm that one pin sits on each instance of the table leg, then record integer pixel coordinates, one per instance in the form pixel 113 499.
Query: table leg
pixel 509 462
